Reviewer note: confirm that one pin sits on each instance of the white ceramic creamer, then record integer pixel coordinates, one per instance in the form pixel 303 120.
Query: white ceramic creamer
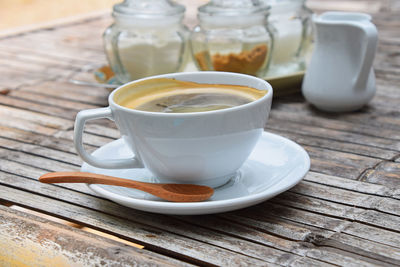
pixel 340 75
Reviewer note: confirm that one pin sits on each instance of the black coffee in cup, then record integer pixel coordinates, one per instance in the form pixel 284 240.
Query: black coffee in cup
pixel 174 96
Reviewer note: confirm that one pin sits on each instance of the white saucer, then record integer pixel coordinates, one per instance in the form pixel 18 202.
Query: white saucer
pixel 275 165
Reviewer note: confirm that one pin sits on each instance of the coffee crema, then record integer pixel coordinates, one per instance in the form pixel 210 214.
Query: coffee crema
pixel 174 96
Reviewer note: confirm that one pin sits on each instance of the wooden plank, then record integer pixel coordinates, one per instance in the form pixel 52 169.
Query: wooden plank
pixel 154 239
pixel 16 168
pixel 65 88
pixel 68 90
pixel 385 253
pixel 265 222
pixel 57 41
pixel 11 79
pixel 66 157
pixel 337 129
pixel 28 132
pixel 43 59
pixel 367 232
pixel 339 163
pixel 334 209
pixel 39 139
pixel 44 243
pixel 344 258
pixel 9 121
pixel 387 173
pixel 331 144
pixel 58 23
pixel 366 116
pixel 29 176
pixel 214 237
pixel 338 210
pixel 71 159
pixel 357 186
pixel 49 100
pixel 388 88
pixel 41 108
pixel 48 125
pixel 204 221
pixel 64 91
pixel 24 174
pixel 178 228
pixel 49 55
pixel 39 118
pixel 372 233
pixel 387 76
pixel 244 228
pixel 64 222
pixel 295 125
pixel 50 165
pixel 32 148
pixel 15 173
pixel 347 197
pixel 101 130
pixel 90 139
pixel 175 227
pixel 46 71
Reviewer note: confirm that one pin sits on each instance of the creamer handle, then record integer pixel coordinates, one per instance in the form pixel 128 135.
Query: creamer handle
pixel 371 37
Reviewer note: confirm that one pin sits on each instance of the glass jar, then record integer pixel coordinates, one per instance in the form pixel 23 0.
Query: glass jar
pixel 233 36
pixel 293 32
pixel 147 38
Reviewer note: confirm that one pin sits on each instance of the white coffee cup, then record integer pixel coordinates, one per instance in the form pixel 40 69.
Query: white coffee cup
pixel 200 148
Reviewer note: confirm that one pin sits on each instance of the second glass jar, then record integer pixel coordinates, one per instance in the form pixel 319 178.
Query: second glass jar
pixel 232 36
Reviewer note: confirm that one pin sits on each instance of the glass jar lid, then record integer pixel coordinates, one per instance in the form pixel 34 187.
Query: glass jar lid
pixel 234 7
pixel 284 5
pixel 233 11
pixel 148 8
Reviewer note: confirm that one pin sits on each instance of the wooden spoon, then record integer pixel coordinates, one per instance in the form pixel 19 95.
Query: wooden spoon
pixel 170 192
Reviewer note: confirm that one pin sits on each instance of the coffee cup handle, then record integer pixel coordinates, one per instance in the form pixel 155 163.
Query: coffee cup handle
pixel 92 114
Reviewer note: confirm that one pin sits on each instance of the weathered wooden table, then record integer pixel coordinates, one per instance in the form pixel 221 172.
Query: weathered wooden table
pixel 345 212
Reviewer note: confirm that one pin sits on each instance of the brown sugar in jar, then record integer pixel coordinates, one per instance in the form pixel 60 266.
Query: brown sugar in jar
pixel 247 62
pixel 233 36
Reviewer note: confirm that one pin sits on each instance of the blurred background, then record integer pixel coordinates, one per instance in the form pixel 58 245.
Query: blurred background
pixel 18 13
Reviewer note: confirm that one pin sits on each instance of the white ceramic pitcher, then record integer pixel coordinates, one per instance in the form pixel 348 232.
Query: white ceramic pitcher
pixel 340 75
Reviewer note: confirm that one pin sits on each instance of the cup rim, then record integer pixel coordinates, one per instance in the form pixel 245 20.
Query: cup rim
pixel 191 114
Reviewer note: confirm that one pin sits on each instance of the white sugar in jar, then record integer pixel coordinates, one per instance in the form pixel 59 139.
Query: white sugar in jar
pixel 147 38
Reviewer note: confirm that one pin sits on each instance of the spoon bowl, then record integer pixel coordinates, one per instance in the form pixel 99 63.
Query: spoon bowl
pixel 170 192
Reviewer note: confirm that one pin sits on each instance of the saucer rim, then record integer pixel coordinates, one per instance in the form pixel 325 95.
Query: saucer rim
pixel 227 204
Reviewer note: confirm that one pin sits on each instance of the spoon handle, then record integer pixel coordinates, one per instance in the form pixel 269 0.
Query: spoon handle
pixel 91 178
pixel 170 192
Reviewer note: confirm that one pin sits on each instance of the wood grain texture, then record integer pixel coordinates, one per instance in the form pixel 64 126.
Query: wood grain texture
pixel 346 211
pixel 44 243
